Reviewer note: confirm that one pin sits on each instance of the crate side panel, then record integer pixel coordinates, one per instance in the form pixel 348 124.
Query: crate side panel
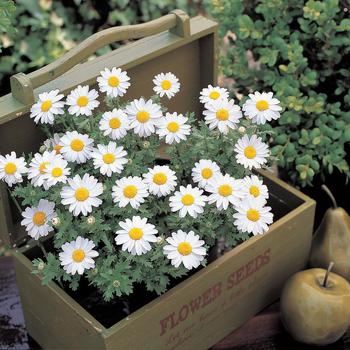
pixel 50 320
pixel 185 63
pixel 206 308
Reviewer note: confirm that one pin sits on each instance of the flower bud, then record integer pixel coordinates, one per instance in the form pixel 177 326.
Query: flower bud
pixel 95 271
pixel 42 149
pixel 146 144
pixel 116 284
pixel 91 220
pixel 129 161
pixel 241 129
pixel 160 240
pixel 56 221
pixel 41 266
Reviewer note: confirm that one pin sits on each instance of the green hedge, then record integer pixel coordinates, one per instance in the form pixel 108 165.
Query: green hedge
pixel 300 50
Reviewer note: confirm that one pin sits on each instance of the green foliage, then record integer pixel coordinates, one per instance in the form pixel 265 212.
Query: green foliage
pixel 7 10
pixel 300 50
pixel 46 29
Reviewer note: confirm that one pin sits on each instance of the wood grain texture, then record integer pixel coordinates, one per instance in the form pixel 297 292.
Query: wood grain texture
pixel 264 331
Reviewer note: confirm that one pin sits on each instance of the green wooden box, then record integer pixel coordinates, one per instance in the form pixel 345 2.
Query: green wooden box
pixel 211 303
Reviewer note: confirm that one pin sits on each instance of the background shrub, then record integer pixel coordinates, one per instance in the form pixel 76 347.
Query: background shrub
pixel 301 51
pixel 46 29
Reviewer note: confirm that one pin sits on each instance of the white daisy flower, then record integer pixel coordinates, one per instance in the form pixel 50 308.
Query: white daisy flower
pixel 143 116
pixel 222 114
pixel 188 200
pixel 166 84
pixel 38 167
pixel 211 94
pixel 12 168
pixel 113 82
pixel 173 127
pixel 254 187
pixel 224 190
pixel 37 220
pixel 82 101
pixel 114 124
pixel 81 194
pixel 204 171
pixel 109 159
pixel 135 235
pixel 253 216
pixel 76 147
pixel 161 180
pixel 251 152
pixel 48 106
pixel 53 143
pixel 56 171
pixel 129 190
pixel 77 256
pixel 185 248
pixel 262 107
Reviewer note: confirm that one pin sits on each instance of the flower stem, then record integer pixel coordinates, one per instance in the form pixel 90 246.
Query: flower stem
pixel 15 201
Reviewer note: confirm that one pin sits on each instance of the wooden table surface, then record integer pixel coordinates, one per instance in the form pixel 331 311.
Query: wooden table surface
pixel 263 332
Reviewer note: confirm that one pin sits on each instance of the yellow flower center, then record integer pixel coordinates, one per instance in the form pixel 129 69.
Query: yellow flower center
pixel 262 105
pixel 108 158
pixel 82 101
pixel 135 233
pixel 130 191
pixel 187 199
pixel 78 255
pixel 42 167
pixel 207 173
pixel 173 127
pixel 214 95
pixel 113 81
pixel 250 152
pixel 39 218
pixel 81 194
pixel 77 145
pixel 159 178
pixel 225 190
pixel 114 123
pixel 166 84
pixel 222 114
pixel 142 116
pixel 57 148
pixel 46 105
pixel 253 215
pixel 10 168
pixel 56 172
pixel 184 248
pixel 254 191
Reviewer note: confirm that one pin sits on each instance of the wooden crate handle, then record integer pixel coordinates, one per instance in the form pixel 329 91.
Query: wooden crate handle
pixel 22 85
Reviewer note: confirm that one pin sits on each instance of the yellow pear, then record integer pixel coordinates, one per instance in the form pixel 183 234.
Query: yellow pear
pixel 331 241
pixel 315 306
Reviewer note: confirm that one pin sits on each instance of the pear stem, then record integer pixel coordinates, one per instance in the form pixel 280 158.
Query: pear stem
pixel 330 195
pixel 330 266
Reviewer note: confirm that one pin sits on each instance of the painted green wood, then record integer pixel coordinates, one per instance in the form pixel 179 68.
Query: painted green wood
pixel 196 313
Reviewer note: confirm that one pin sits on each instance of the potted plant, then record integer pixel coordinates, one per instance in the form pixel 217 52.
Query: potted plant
pixel 133 221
